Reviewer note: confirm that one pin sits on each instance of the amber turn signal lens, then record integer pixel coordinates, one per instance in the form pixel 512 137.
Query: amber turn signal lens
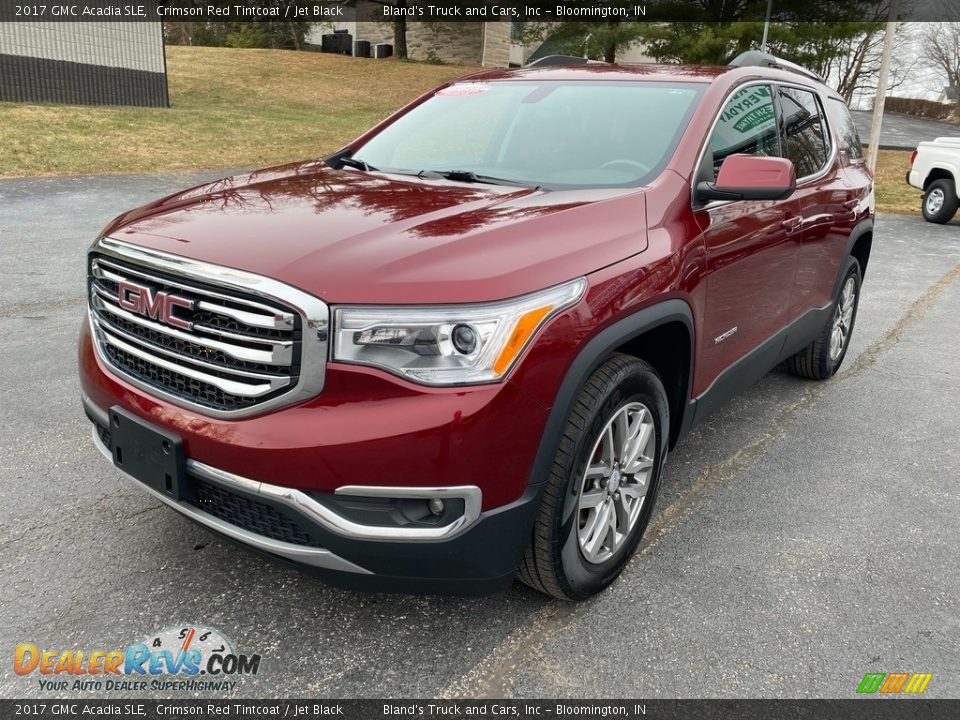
pixel 525 327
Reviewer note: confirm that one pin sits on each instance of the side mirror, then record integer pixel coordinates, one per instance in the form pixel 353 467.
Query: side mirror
pixel 751 177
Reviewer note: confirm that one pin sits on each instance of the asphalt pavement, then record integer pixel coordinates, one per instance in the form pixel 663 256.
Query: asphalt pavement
pixel 805 535
pixel 902 132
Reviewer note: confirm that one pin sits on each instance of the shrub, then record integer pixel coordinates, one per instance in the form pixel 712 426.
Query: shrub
pixel 921 108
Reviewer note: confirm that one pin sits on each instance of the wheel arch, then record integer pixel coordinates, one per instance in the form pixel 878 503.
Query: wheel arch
pixel 668 348
pixel 937 173
pixel 859 245
pixel 665 321
pixel 860 249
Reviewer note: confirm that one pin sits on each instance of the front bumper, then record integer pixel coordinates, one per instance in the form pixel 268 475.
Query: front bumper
pixel 476 554
pixel 271 480
pixel 365 428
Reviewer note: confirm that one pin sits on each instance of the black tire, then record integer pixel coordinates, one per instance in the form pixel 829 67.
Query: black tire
pixel 940 201
pixel 816 361
pixel 554 562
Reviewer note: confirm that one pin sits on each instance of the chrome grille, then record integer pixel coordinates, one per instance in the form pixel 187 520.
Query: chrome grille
pixel 234 352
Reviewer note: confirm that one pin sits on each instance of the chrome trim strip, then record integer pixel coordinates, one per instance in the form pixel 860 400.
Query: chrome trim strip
pixel 335 522
pixel 150 347
pixel 280 321
pixel 314 313
pixel 316 557
pixel 269 357
pixel 330 520
pixel 283 345
pixel 471 495
pixel 275 319
pixel 230 386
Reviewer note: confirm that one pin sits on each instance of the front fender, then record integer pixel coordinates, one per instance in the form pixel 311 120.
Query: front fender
pixel 591 356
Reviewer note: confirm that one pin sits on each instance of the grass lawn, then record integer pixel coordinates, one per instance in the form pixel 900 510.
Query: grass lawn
pixel 893 193
pixel 229 108
pixel 250 108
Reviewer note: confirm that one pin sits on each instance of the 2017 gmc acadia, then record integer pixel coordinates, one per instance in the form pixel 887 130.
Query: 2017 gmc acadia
pixel 459 349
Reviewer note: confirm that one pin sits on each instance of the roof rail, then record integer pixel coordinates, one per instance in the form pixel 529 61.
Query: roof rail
pixel 756 58
pixel 547 60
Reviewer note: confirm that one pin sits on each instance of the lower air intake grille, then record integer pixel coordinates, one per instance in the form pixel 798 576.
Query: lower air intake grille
pixel 248 514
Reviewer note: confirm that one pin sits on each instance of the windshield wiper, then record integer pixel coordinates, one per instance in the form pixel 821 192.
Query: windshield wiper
pixel 356 163
pixel 471 177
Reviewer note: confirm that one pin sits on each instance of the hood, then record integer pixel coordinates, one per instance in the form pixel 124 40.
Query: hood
pixel 353 237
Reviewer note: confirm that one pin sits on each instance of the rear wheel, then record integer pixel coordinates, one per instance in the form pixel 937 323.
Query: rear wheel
pixel 603 482
pixel 821 359
pixel 940 201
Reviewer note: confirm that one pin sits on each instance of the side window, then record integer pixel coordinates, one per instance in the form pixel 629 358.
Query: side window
pixel 747 124
pixel 804 131
pixel 846 129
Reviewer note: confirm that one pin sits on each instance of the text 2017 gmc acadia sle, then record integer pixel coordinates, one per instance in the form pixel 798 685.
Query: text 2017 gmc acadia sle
pixel 458 350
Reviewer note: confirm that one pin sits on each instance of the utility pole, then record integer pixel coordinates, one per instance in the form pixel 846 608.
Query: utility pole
pixel 766 27
pixel 880 98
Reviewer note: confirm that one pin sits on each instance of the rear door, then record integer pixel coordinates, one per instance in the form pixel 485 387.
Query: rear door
pixel 827 197
pixel 751 245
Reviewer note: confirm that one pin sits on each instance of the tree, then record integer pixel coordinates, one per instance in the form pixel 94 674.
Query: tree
pixel 259 34
pixel 399 26
pixel 713 32
pixel 814 33
pixel 178 33
pixel 595 40
pixel 854 71
pixel 940 43
pixel 279 34
pixel 814 45
pixel 400 32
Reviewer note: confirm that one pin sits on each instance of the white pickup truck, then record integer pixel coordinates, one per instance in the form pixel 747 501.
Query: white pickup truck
pixel 935 168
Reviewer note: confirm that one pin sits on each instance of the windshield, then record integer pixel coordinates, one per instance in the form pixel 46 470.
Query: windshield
pixel 549 134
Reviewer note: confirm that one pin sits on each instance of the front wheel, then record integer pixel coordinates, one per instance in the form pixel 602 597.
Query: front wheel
pixel 940 202
pixel 600 493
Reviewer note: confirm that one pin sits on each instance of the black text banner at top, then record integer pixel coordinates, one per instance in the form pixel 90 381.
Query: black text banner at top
pixel 528 11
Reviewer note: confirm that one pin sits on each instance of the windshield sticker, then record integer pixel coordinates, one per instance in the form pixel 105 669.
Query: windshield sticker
pixel 463 90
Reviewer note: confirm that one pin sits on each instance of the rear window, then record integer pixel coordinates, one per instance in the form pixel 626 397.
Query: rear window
pixel 846 129
pixel 552 134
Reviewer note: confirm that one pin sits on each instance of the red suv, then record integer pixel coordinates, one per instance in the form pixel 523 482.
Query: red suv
pixel 459 349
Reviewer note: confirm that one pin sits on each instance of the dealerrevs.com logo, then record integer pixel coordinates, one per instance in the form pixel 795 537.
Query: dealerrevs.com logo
pixel 184 658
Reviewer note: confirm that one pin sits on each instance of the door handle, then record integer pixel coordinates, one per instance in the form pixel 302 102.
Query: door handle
pixel 791 224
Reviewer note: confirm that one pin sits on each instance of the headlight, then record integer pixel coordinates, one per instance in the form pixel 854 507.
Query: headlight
pixel 448 345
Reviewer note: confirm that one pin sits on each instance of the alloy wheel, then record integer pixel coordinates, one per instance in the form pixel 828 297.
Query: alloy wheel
pixel 843 319
pixel 615 483
pixel 935 201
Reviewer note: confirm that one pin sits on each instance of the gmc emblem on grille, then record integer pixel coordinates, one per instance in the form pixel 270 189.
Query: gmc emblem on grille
pixel 156 305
